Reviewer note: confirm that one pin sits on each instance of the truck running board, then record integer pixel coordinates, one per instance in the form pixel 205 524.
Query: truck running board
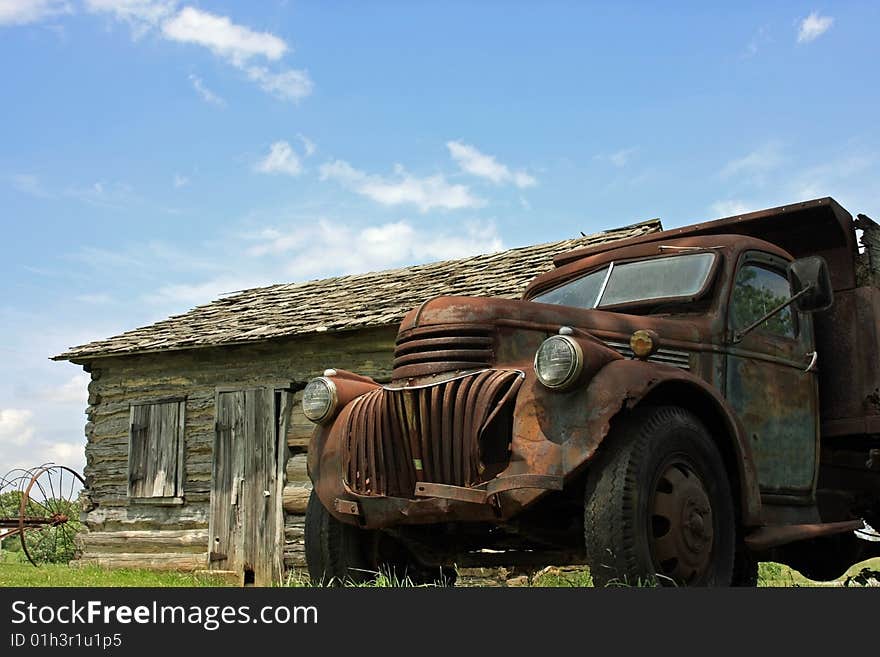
pixel 772 536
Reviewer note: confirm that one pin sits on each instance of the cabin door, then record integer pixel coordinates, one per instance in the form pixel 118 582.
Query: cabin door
pixel 246 527
pixel 770 383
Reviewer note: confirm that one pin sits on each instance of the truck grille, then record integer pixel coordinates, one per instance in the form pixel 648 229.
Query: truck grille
pixel 453 432
pixel 435 350
pixel 681 359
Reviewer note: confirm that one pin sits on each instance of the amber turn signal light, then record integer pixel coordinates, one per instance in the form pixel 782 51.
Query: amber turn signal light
pixel 644 343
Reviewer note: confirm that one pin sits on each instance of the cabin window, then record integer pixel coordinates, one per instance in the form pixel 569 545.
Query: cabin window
pixel 756 292
pixel 155 454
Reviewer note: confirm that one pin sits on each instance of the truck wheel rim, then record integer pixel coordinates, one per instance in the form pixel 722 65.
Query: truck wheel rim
pixel 681 525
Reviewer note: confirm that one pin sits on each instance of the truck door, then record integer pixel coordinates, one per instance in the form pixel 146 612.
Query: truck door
pixel 766 382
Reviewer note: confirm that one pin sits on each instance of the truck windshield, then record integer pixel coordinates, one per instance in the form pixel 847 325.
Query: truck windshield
pixel 670 277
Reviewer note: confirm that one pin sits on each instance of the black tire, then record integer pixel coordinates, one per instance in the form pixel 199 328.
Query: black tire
pixel 658 507
pixel 335 551
pixel 339 554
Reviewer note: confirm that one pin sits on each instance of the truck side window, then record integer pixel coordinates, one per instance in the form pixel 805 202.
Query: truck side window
pixel 758 290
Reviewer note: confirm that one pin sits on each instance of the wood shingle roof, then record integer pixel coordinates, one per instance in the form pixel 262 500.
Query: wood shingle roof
pixel 343 303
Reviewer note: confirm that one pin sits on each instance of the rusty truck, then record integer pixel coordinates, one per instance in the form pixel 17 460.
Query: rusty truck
pixel 669 408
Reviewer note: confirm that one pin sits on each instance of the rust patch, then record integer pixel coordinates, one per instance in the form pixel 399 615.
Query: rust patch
pixel 396 437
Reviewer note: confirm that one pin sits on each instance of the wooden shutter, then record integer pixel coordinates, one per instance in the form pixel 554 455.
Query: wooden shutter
pixel 155 458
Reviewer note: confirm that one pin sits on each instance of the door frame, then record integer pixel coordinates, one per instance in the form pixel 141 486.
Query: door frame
pixel 805 338
pixel 281 403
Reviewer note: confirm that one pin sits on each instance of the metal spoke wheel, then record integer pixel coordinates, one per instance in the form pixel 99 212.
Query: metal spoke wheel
pixel 48 512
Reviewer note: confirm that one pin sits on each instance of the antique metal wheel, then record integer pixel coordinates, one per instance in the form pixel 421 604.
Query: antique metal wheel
pixel 657 504
pixel 48 517
pixel 681 523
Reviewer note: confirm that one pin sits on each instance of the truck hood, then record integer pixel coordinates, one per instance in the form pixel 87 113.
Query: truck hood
pixel 516 313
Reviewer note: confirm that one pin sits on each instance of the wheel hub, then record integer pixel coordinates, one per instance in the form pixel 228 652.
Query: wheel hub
pixel 681 523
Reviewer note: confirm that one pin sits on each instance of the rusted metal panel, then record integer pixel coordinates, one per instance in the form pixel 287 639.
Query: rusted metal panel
pixel 435 350
pixel 347 507
pixel 837 343
pixel 483 493
pixel 623 384
pixel 776 405
pixel 848 342
pixel 770 537
pixel 395 437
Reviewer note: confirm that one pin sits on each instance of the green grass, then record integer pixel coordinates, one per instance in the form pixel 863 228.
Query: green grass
pixel 24 574
pixel 14 573
pixel 770 575
pixel 776 575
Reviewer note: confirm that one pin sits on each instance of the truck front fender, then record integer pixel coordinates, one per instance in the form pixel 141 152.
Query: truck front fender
pixel 576 422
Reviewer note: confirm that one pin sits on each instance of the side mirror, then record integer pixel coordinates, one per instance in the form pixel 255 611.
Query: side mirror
pixel 811 284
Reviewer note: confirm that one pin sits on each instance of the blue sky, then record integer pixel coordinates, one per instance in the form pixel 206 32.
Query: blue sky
pixel 155 154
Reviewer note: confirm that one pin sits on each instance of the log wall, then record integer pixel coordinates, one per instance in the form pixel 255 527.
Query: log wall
pixel 174 535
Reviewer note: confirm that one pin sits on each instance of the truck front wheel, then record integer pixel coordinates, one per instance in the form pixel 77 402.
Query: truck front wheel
pixel 658 506
pixel 338 554
pixel 335 551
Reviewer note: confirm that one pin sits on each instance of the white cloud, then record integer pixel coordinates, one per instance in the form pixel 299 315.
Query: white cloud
pixel 370 248
pixel 180 181
pixel 813 26
pixel 730 208
pixel 237 44
pixel 834 176
pixel 286 253
pixel 15 426
pixel 848 175
pixel 403 188
pixel 223 37
pixel 206 94
pixel 193 294
pixel 290 84
pixel 308 145
pixel 281 159
pixel 70 454
pixel 73 391
pixel 140 15
pixel 756 164
pixel 273 242
pixel 472 161
pixel 22 12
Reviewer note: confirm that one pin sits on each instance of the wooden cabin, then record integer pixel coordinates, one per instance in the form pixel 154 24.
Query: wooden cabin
pixel 196 442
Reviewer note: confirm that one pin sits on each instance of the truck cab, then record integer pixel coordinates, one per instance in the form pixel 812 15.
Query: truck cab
pixel 660 408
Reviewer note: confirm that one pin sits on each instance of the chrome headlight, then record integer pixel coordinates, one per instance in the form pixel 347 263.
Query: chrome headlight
pixel 559 361
pixel 319 399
